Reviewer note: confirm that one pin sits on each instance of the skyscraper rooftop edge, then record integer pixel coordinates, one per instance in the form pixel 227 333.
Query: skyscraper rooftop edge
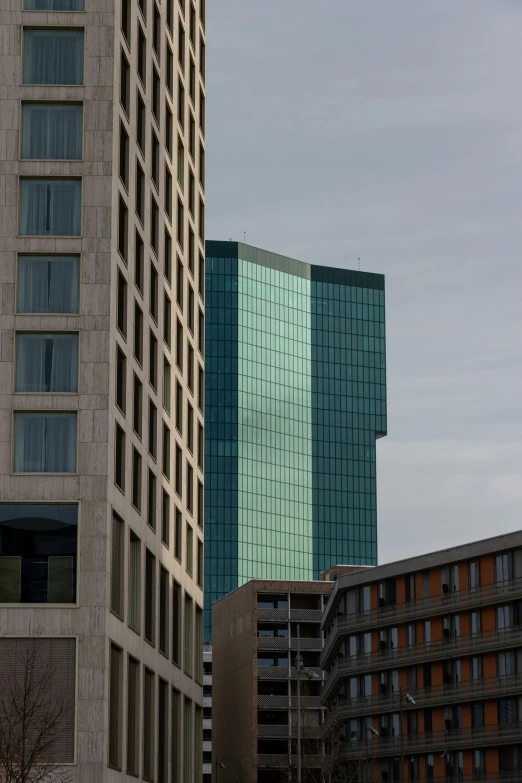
pixel 325 274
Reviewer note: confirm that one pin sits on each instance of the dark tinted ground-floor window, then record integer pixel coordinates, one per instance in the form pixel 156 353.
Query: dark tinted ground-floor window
pixel 38 550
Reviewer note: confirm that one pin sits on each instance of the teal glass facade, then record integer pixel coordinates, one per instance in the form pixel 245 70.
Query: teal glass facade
pixel 295 397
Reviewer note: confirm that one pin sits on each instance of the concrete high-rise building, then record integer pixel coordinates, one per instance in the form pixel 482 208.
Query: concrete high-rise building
pixel 423 666
pixel 295 400
pixel 256 633
pixel 102 114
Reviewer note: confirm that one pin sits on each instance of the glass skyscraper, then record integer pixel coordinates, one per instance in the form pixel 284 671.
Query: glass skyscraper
pixel 295 400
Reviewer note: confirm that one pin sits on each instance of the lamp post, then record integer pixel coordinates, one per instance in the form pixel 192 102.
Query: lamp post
pixel 410 700
pixel 219 766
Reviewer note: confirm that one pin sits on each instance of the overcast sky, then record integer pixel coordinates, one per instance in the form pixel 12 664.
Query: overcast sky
pixel 391 130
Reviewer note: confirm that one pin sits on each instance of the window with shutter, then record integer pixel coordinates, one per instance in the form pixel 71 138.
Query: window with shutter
pixel 148 727
pixel 163 611
pixel 163 723
pixel 115 707
pixel 133 701
pixel 150 570
pixel 176 623
pixel 134 615
pixel 117 566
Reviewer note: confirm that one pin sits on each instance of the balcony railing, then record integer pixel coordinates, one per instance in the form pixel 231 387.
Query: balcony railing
pixel 435 741
pixel 429 651
pixel 271 615
pixel 492 687
pixel 307 732
pixel 283 672
pixel 306 615
pixel 286 702
pixel 282 760
pixel 423 608
pixel 284 643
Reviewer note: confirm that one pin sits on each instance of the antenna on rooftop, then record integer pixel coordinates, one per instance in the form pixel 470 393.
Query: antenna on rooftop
pixel 244 237
pixel 359 260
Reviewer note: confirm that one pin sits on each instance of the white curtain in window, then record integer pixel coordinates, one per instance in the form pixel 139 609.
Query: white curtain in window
pixel 52 131
pixel 50 207
pixel 54 5
pixel 53 56
pixel 48 284
pixel 47 362
pixel 45 442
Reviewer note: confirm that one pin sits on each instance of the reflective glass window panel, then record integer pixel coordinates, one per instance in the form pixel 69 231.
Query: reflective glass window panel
pixel 38 547
pixel 50 207
pixel 52 131
pixel 44 442
pixel 48 284
pixel 53 56
pixel 54 5
pixel 46 362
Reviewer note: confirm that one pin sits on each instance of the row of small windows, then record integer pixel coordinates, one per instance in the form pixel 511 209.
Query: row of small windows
pixel 162 728
pixel 142 594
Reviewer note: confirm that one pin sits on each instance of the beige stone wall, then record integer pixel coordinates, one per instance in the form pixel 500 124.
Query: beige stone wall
pixel 93 486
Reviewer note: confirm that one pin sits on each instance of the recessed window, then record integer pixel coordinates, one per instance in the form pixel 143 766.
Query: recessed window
pixel 166 451
pixel 192 192
pixel 50 207
pixel 118 529
pixel 151 501
pixel 38 553
pixel 201 220
pixel 136 479
pixel 190 317
pixel 153 429
pixel 192 25
pixel 192 82
pixel 200 564
pixel 52 131
pixel 137 406
pixel 190 488
pixel 181 46
pixel 179 345
pixel 201 332
pixel 202 12
pixel 178 534
pixel 190 427
pixel 179 285
pixel 148 726
pixel 150 592
pixel 140 122
pixel 123 229
pixel 134 616
pixel 202 166
pixel 169 129
pixel 46 362
pixel 167 320
pixel 165 518
pixel 153 361
pixel 153 301
pixel 181 103
pixel 167 257
pixel 124 155
pixel 168 193
pixel 170 69
pixel 154 157
pixel 190 550
pixel 45 442
pixel 191 250
pixel 176 635
pixel 163 616
pixel 121 305
pixel 201 389
pixel 199 510
pixel 140 193
pixel 200 446
pixel 48 284
pixel 170 14
pixel 179 408
pixel 142 5
pixel 53 56
pixel 154 225
pixel 201 277
pixel 202 111
pixel 125 18
pixel 192 138
pixel 166 385
pixel 142 55
pixel 133 725
pixel 190 367
pixel 156 94
pixel 119 453
pixel 138 334
pixel 180 224
pixel 179 471
pixel 125 84
pixel 202 57
pixel 138 262
pixel 156 30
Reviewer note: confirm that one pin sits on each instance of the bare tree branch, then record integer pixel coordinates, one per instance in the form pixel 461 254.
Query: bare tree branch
pixel 32 713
